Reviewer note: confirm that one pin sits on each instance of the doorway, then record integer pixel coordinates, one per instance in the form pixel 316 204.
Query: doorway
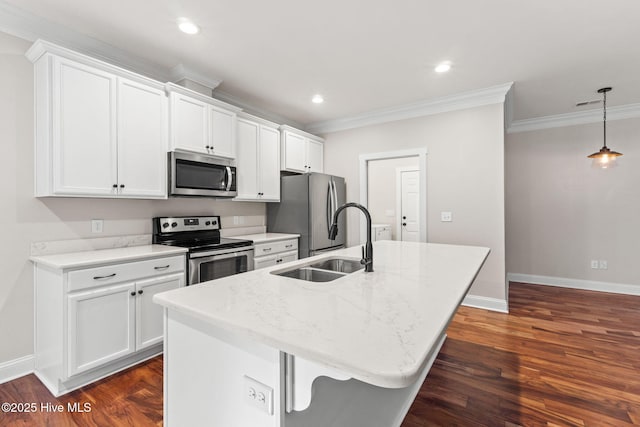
pixel 372 190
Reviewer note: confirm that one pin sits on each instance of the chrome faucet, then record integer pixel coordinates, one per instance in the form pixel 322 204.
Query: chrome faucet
pixel 367 250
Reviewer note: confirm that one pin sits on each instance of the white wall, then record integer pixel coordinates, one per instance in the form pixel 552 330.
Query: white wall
pixel 26 219
pixel 561 213
pixel 465 175
pixel 382 190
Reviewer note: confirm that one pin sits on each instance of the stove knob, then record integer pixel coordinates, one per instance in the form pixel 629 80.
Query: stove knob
pixel 214 222
pixel 165 225
pixel 207 223
pixel 174 224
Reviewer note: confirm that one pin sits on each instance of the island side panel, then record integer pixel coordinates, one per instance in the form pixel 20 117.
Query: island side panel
pixel 206 370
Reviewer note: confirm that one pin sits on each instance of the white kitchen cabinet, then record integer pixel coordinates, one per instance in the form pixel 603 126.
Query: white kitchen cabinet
pixel 271 253
pixel 95 320
pixel 301 151
pixel 201 123
pixel 258 162
pixel 101 131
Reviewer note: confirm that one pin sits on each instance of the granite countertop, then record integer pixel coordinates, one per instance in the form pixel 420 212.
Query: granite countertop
pixel 266 237
pixel 378 327
pixel 106 256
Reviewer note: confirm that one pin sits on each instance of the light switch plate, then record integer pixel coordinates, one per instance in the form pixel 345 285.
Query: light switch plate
pixel 446 217
pixel 97 225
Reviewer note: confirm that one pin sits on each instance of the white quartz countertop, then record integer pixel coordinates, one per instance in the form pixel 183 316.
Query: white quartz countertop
pixel 106 256
pixel 378 327
pixel 267 237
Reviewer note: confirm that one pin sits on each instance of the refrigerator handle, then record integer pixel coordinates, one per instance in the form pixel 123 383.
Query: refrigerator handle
pixel 329 207
pixel 335 196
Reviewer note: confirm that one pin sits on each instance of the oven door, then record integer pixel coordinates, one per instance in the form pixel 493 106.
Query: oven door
pixel 200 175
pixel 211 265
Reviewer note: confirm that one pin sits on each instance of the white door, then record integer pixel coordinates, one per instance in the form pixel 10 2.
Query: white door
pixel 294 152
pixel 142 147
pixel 149 320
pixel 223 132
pixel 84 129
pixel 189 123
pixel 247 161
pixel 100 326
pixel 315 151
pixel 409 205
pixel 269 161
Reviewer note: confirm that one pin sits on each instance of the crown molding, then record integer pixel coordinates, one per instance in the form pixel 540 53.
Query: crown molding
pixel 470 99
pixel 181 72
pixel 621 112
pixel 248 108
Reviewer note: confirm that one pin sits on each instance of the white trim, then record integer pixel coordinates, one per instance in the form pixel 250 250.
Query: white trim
pixel 399 171
pixel 578 118
pixel 181 72
pixel 486 303
pixel 172 87
pixel 421 153
pixel 563 282
pixel 16 368
pixel 470 99
pixel 267 115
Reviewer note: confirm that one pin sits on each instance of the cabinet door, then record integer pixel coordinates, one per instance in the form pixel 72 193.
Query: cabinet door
pixel 269 164
pixel 100 326
pixel 315 154
pixel 293 152
pixel 223 132
pixel 142 147
pixel 84 130
pixel 247 161
pixel 289 256
pixel 189 123
pixel 264 261
pixel 149 323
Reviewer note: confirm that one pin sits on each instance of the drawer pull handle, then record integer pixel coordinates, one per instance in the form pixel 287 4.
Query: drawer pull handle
pixel 163 267
pixel 266 249
pixel 288 246
pixel 104 277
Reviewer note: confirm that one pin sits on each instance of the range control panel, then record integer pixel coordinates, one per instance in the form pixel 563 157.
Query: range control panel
pixel 192 223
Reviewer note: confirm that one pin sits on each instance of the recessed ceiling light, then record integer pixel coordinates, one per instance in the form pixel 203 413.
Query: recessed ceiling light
pixel 187 26
pixel 317 99
pixel 443 67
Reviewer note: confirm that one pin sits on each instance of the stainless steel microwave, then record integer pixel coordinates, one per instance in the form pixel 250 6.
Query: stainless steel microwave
pixel 192 174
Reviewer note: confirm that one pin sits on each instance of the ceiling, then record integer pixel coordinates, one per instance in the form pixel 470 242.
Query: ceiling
pixel 365 55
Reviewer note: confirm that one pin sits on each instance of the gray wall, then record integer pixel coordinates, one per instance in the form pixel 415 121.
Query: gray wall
pixel 561 213
pixel 465 175
pixel 26 219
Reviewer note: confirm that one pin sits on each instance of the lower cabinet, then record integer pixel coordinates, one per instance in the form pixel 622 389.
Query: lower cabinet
pixel 92 322
pixel 268 254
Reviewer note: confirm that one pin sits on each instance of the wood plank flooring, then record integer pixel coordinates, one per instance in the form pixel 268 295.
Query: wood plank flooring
pixel 562 357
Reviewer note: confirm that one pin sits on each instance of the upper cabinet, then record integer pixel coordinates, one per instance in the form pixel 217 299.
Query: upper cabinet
pixel 100 131
pixel 258 162
pixel 301 151
pixel 200 123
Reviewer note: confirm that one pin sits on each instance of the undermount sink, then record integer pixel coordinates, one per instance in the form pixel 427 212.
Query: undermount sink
pixel 322 271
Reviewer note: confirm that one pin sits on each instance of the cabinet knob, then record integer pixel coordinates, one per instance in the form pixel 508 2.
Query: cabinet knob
pixel 121 185
pixel 404 224
pixel 115 185
pixel 133 293
pixel 140 292
pixel 207 147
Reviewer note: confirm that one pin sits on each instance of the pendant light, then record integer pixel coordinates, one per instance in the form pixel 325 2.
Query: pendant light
pixel 605 158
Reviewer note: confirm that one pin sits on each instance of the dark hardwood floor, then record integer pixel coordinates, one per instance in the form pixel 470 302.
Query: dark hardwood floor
pixel 562 357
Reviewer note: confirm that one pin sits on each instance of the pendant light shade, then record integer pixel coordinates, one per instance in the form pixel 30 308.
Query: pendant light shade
pixel 605 158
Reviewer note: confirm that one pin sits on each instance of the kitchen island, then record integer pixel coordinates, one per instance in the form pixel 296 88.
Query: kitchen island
pixel 259 349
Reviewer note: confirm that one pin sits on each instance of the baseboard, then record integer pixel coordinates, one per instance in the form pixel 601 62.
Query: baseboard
pixel 563 282
pixel 492 304
pixel 16 368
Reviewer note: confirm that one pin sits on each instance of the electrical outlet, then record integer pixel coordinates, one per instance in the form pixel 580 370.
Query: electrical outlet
pixel 446 217
pixel 258 395
pixel 594 264
pixel 97 225
pixel 603 264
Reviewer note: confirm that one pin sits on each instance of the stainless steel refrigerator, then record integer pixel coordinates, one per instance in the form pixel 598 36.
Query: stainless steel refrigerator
pixel 307 204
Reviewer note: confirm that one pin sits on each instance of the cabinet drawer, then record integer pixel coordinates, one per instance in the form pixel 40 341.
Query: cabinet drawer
pixel 270 248
pixel 117 273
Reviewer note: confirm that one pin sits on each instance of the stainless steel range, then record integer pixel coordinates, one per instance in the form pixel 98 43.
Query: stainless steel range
pixel 210 256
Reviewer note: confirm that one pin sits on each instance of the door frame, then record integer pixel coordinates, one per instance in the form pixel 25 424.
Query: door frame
pixel 421 153
pixel 399 196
